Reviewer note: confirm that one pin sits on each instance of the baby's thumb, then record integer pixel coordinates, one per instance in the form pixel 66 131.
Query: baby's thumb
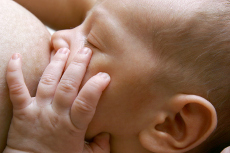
pixel 100 143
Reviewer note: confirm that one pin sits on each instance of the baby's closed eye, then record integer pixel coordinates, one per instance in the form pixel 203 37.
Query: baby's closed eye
pixel 93 40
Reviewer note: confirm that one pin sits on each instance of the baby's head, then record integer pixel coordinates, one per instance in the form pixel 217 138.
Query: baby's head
pixel 168 60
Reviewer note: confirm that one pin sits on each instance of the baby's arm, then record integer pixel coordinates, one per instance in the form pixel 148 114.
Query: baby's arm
pixel 57 118
pixel 59 14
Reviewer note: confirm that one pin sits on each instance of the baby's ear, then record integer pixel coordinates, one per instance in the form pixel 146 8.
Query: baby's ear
pixel 184 123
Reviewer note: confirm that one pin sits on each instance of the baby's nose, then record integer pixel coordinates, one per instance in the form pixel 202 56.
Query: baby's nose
pixel 60 39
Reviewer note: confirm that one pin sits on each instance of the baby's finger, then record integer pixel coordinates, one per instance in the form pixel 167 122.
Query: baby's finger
pixel 226 150
pixel 19 93
pixel 68 87
pixel 51 77
pixel 84 106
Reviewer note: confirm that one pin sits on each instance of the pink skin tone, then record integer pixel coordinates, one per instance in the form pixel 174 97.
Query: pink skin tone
pixel 134 103
pixel 120 36
pixel 60 112
pixel 226 150
pixel 123 55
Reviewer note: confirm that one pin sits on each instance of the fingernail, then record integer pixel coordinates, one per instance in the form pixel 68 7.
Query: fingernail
pixel 63 50
pixel 84 50
pixel 15 56
pixel 104 75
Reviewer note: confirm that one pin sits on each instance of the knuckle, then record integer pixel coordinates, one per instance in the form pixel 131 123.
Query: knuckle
pixel 13 69
pixel 72 132
pixel 55 121
pixel 84 107
pixel 94 84
pixel 48 79
pixel 22 116
pixel 16 88
pixel 78 63
pixel 67 85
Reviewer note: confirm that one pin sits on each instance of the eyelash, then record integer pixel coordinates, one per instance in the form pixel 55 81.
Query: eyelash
pixel 89 44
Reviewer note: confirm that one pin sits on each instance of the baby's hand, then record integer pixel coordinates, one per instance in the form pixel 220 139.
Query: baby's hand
pixel 57 118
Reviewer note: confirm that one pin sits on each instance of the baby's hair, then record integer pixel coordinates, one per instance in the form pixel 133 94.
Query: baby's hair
pixel 195 59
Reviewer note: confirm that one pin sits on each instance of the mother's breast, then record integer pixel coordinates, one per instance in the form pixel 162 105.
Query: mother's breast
pixel 21 32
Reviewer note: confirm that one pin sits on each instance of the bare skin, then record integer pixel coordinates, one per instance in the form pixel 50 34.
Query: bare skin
pixel 58 117
pixel 20 32
pixel 226 150
pixel 118 41
pixel 65 14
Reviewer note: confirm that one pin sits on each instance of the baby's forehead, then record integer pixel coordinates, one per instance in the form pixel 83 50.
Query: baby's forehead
pixel 149 14
pixel 143 20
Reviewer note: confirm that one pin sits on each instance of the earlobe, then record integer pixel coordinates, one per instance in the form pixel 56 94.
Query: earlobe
pixel 184 124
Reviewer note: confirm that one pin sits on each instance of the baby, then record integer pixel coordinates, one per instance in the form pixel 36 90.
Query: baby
pixel 169 64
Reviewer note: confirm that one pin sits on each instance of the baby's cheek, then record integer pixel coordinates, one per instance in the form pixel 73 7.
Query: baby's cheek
pixel 100 63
